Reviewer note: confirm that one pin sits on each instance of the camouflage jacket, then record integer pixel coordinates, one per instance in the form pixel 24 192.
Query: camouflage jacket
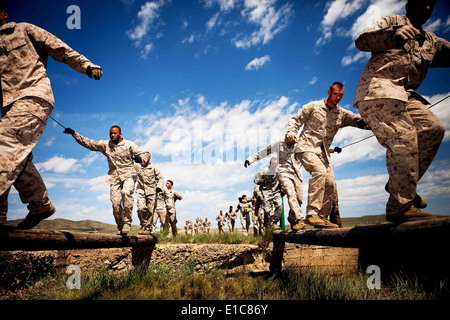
pixel 148 179
pixel 120 161
pixel 287 165
pixel 24 51
pixel 392 71
pixel 319 126
pixel 269 178
pixel 244 207
pixel 171 196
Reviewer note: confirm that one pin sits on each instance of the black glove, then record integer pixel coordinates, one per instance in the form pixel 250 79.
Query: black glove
pixel 69 131
pixel 246 163
pixel 137 159
pixel 158 189
pixel 94 71
pixel 362 124
pixel 337 149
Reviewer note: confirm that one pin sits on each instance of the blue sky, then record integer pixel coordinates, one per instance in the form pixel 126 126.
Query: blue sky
pixel 202 84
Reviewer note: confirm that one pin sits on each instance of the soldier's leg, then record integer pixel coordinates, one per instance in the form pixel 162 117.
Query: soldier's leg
pixel 115 195
pixel 21 126
pixel 291 188
pixel 316 188
pixel 32 189
pixel 142 210
pixel 151 201
pixel 4 206
pixel 430 132
pixel 278 207
pixel 128 199
pixel 329 193
pixel 395 130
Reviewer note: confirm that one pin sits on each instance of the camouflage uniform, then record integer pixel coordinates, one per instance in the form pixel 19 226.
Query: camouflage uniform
pixel 257 217
pixel 246 208
pixel 161 211
pixel 121 175
pixel 320 125
pixel 171 196
pixel 289 175
pixel 231 215
pixel 149 178
pixel 397 115
pixel 207 225
pixel 271 191
pixel 27 102
pixel 220 222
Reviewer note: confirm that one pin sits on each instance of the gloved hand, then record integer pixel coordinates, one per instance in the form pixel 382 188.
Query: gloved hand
pixel 95 71
pixel 158 189
pixel 337 149
pixel 69 131
pixel 137 159
pixel 246 163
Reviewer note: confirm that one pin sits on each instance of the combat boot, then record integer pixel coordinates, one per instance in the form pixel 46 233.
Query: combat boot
pixel 419 202
pixel 33 219
pixel 125 229
pixel 329 224
pixel 411 214
pixel 276 227
pixel 298 226
pixel 314 220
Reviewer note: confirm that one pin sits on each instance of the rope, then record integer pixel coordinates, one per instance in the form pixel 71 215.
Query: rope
pixel 361 140
pixel 57 122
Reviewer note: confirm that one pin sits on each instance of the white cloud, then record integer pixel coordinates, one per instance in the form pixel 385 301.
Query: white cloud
pixel 147 18
pixel 268 20
pixel 349 59
pixel 257 63
pixel 49 141
pixel 433 26
pixel 313 80
pixel 59 165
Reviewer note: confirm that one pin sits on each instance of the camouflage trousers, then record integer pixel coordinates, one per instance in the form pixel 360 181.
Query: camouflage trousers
pixel 146 208
pixel 160 213
pixel 271 200
pixel 293 188
pixel 245 221
pixel 172 222
pixel 121 195
pixel 321 187
pixel 411 134
pixel 21 126
pixel 231 224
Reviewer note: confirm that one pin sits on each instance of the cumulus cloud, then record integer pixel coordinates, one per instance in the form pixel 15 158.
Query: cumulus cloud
pixel 257 63
pixel 148 18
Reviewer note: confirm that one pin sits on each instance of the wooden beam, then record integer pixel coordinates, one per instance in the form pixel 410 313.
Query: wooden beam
pixel 421 231
pixel 36 239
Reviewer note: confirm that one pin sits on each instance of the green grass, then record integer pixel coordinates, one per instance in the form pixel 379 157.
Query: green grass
pixel 169 283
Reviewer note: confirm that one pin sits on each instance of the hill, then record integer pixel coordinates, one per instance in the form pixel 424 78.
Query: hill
pixel 93 226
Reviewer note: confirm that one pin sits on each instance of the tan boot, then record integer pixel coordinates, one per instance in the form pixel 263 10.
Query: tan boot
pixel 125 229
pixel 276 227
pixel 419 202
pixel 314 220
pixel 329 224
pixel 411 214
pixel 298 227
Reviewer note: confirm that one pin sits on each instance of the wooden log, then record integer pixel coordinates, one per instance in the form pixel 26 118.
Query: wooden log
pixel 36 239
pixel 413 232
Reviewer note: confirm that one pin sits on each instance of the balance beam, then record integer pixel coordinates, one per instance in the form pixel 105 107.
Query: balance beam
pixel 421 243
pixel 36 239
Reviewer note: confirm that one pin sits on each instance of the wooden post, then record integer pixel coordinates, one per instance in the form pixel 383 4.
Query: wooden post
pixel 417 247
pixel 36 239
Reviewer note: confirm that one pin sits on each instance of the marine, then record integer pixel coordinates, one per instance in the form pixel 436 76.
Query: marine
pixel 401 54
pixel 27 102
